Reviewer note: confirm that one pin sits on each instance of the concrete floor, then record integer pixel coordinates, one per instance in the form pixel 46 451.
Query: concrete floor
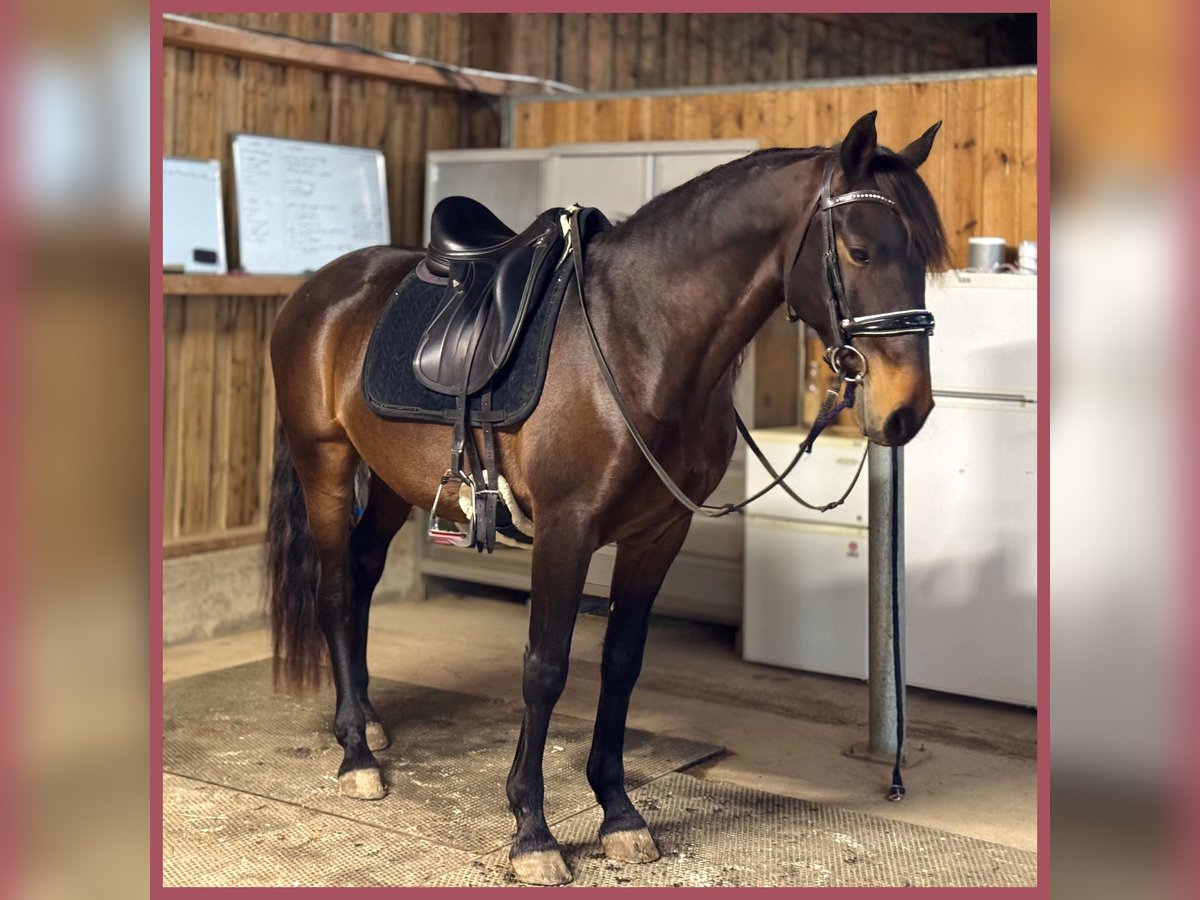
pixel 786 732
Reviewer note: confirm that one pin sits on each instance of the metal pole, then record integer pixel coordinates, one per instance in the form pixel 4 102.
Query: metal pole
pixel 885 478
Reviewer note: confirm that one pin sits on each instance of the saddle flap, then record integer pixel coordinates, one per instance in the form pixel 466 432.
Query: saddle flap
pixel 479 321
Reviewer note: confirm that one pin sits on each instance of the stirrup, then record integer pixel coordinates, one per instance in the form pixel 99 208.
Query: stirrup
pixel 447 533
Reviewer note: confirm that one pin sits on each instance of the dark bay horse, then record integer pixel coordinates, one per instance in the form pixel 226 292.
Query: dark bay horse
pixel 675 293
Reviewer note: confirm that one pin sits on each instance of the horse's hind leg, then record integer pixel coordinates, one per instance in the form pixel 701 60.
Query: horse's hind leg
pixel 637 576
pixel 326 472
pixel 369 541
pixel 560 559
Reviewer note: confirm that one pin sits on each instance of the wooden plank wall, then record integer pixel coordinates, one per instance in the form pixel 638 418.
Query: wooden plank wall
pixel 218 416
pixel 982 171
pixel 621 51
pixel 209 97
pixel 219 407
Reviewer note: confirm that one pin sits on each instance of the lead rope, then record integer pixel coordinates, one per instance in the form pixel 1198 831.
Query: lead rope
pixel 829 411
pixel 897 790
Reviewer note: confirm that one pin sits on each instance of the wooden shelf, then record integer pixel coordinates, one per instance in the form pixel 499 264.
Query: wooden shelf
pixel 175 285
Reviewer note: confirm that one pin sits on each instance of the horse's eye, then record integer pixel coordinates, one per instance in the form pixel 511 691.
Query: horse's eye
pixel 859 255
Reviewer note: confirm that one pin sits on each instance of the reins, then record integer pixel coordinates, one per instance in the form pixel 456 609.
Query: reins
pixel 829 411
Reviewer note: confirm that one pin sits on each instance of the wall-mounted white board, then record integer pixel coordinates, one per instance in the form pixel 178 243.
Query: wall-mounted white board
pixel 301 204
pixel 193 216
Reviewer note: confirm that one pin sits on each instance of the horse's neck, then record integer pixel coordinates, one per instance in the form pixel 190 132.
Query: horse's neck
pixel 692 300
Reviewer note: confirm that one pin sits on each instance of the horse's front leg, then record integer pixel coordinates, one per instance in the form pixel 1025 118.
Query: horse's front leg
pixel 638 574
pixel 561 553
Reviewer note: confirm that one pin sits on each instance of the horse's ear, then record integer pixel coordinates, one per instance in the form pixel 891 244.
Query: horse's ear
pixel 918 151
pixel 859 146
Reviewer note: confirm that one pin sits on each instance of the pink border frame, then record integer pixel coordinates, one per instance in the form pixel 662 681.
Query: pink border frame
pixel 158 7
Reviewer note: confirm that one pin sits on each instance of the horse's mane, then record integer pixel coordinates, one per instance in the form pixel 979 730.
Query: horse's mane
pixel 896 178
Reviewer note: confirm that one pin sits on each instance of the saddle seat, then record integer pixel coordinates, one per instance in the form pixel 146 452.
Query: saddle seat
pixel 462 228
pixel 494 278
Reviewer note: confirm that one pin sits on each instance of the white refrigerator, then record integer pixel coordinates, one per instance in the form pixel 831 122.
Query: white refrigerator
pixel 970 517
pixel 971 495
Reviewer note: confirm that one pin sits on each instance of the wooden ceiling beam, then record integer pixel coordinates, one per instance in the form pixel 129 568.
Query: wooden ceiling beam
pixel 289 51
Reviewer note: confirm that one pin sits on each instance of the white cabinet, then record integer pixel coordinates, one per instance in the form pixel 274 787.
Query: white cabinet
pixel 614 182
pixel 806 572
pixel 616 177
pixel 705 583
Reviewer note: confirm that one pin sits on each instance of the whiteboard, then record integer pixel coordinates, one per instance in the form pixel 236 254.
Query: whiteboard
pixel 301 204
pixel 193 216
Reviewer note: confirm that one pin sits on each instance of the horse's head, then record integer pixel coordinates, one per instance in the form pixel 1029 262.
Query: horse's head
pixel 859 278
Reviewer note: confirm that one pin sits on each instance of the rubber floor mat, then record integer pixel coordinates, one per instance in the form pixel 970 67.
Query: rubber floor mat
pixel 445 770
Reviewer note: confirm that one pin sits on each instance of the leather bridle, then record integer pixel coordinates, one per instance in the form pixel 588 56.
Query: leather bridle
pixel 843 327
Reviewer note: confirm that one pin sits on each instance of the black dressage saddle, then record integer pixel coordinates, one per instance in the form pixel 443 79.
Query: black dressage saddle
pixel 465 339
pixel 495 277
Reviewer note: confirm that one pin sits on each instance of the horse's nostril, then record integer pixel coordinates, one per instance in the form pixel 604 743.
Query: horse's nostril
pixel 900 425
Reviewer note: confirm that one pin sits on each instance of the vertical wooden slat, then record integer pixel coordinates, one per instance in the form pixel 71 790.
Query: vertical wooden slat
pixel 906 110
pixel 625 51
pixel 1001 158
pixel 777 47
pixel 852 52
pixel 268 414
pixel 699 31
pixel 675 49
pixel 962 140
pixel 728 116
pixel 169 106
pixel 185 64
pixel 648 72
pixel 204 128
pixel 527 124
pixel 824 118
pixel 1028 228
pixel 601 30
pixel 639 119
pixel 797 49
pixel 664 119
pixel 222 410
pixel 759 37
pixel 736 65
pixel 818 49
pixel 450 34
pixel 196 354
pixel 243 432
pixel 572 49
pixel 173 322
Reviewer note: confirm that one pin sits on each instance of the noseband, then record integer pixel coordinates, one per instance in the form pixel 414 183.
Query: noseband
pixel 843 326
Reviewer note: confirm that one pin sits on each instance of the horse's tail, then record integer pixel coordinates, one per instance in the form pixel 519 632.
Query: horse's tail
pixel 293 570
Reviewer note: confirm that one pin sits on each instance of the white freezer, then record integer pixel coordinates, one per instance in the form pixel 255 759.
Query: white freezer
pixel 806 597
pixel 970 498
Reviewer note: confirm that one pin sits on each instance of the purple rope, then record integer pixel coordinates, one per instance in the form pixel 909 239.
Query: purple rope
pixel 824 420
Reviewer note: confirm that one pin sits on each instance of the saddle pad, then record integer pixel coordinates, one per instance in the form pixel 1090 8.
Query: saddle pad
pixel 392 390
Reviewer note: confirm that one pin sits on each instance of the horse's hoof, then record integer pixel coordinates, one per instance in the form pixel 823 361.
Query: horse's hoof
pixel 377 738
pixel 542 867
pixel 630 846
pixel 361 784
